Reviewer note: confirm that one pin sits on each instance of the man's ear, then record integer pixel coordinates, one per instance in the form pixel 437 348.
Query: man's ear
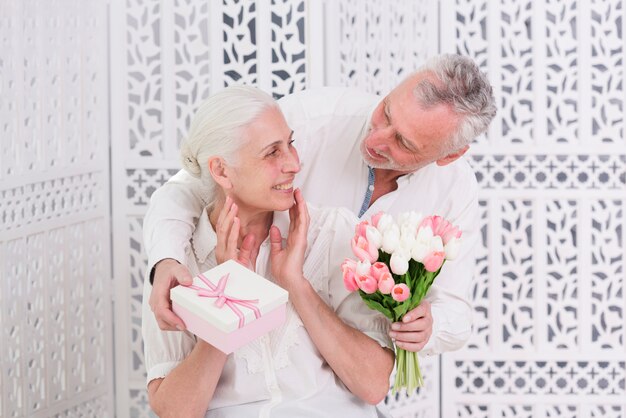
pixel 218 170
pixel 450 158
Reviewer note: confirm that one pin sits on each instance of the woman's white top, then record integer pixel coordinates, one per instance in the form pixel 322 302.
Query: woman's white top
pixel 281 374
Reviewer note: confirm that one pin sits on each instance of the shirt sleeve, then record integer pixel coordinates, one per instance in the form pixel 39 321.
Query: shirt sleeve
pixel 163 350
pixel 450 293
pixel 348 305
pixel 170 220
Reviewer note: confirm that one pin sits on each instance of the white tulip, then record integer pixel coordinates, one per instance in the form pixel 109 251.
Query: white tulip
pixel 424 234
pixel 363 268
pixel 398 263
pixel 373 236
pixel 410 219
pixel 452 248
pixel 436 244
pixel 384 223
pixel 408 234
pixel 419 251
pixel 391 239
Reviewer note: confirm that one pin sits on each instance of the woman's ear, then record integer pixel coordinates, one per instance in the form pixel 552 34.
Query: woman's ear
pixel 218 170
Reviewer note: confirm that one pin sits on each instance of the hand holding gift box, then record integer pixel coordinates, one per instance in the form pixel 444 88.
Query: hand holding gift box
pixel 229 306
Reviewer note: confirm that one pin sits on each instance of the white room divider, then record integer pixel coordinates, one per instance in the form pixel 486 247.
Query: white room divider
pixel 55 268
pixel 549 290
pixel 168 55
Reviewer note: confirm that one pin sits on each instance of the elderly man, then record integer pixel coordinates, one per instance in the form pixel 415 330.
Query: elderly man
pixel 397 154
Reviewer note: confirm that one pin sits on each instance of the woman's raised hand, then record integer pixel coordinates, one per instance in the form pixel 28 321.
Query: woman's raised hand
pixel 227 229
pixel 286 263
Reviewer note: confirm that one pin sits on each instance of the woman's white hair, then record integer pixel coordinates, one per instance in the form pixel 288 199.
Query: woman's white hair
pixel 216 131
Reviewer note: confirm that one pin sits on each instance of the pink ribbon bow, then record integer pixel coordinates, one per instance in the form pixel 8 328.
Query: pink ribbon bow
pixel 223 299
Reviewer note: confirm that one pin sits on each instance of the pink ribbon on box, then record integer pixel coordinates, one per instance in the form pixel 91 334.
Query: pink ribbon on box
pixel 223 299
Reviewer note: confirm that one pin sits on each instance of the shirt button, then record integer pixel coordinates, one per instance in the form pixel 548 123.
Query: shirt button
pixel 371 187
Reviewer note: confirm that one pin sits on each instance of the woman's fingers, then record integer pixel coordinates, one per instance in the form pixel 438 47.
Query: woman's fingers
pixel 227 204
pixel 231 245
pixel 227 228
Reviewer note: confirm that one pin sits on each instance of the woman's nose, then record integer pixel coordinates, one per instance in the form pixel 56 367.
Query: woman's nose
pixel 292 163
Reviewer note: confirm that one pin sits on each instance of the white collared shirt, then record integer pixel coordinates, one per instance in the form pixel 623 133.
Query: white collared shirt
pixel 329 125
pixel 282 372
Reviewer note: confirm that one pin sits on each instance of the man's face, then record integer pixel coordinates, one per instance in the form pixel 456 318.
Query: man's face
pixel 404 136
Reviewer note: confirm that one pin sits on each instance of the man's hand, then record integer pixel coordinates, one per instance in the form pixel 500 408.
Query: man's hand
pixel 168 273
pixel 415 330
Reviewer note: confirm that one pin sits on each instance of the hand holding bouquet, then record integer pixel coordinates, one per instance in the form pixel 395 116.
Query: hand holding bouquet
pixel 397 262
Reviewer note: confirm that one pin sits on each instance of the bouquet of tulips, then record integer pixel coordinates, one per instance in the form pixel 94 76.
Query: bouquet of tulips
pixel 397 262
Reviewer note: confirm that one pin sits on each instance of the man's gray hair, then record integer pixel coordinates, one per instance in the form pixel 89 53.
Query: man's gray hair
pixel 216 131
pixel 463 86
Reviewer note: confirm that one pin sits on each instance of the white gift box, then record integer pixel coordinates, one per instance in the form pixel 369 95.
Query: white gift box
pixel 229 306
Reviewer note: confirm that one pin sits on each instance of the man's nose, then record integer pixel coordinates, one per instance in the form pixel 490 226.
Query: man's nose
pixel 381 136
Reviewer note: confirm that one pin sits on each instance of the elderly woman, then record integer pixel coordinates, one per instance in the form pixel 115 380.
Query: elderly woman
pixel 332 356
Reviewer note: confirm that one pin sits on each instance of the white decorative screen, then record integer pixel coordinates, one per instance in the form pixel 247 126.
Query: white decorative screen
pixel 169 55
pixel 55 288
pixel 549 292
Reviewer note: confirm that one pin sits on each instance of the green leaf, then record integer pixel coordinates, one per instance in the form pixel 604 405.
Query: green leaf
pixel 403 308
pixel 378 307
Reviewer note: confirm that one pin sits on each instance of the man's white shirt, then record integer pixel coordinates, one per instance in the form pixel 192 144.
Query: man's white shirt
pixel 329 125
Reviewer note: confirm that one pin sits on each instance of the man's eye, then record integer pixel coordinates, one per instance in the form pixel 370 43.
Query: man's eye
pixel 273 153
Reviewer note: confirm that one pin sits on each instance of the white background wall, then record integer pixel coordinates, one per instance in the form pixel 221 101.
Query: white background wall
pixel 549 289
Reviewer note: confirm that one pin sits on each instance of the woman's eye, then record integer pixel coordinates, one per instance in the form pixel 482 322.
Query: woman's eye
pixel 273 153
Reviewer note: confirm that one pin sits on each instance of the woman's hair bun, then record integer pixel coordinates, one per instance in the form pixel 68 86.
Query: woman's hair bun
pixel 189 161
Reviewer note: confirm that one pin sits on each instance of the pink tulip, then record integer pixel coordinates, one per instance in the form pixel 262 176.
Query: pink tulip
pixel 442 228
pixel 376 218
pixel 433 261
pixel 400 292
pixel 378 269
pixel 364 250
pixel 348 264
pixel 360 230
pixel 349 280
pixel 348 267
pixel 366 283
pixel 385 283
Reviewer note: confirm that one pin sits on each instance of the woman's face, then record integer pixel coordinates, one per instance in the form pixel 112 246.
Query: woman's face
pixel 266 165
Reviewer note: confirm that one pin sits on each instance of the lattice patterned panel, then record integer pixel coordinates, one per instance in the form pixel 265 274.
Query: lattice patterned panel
pixel 607 274
pixel 607 411
pixel 239 45
pixel 54 227
pixel 98 407
pixel 379 43
pixel 517 274
pixel 43 201
pixel 480 337
pixel 403 405
pixel 507 377
pixel 191 61
pixel 516 72
pixel 171 55
pixel 561 280
pixel 288 47
pixel 144 77
pixel 607 71
pixel 550 171
pixel 143 182
pixel 561 68
pixel 471 32
pixel 138 262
